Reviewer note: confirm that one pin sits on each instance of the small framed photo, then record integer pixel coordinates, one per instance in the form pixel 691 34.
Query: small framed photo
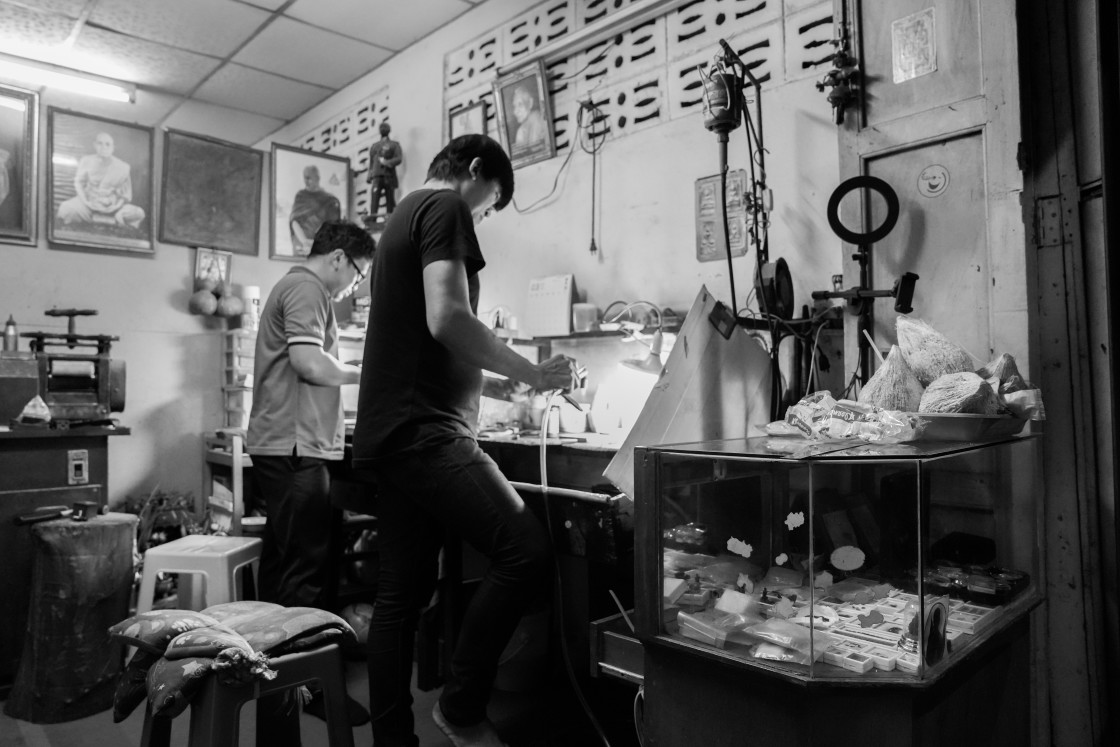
pixel 308 189
pixel 211 193
pixel 19 158
pixel 525 115
pixel 100 184
pixel 467 120
pixel 211 268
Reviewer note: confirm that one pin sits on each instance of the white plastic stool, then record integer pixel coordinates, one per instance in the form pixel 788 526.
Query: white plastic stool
pixel 216 558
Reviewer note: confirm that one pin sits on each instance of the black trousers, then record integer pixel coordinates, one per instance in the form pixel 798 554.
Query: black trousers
pixel 296 568
pixel 458 487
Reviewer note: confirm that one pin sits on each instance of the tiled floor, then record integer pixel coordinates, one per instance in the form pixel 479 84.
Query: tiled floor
pixel 548 715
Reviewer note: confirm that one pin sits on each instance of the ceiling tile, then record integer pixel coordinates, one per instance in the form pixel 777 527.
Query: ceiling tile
pixel 29 33
pixel 142 62
pixel 221 122
pixel 379 22
pixel 214 27
pixel 71 8
pixel 242 88
pixel 294 49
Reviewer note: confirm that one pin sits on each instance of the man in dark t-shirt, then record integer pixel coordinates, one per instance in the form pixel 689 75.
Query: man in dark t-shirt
pixel 417 410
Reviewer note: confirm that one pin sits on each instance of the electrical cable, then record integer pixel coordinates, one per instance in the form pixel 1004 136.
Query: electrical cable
pixel 582 70
pixel 594 162
pixel 639 714
pixel 727 234
pixel 551 192
pixel 813 359
pixel 559 605
pixel 759 232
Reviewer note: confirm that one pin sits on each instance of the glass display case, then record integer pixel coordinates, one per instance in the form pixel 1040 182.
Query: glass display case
pixel 823 561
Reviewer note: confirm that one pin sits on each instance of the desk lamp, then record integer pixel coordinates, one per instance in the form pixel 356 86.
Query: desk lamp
pixel 652 362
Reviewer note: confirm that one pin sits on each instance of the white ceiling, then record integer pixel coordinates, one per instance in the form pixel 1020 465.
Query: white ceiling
pixel 233 69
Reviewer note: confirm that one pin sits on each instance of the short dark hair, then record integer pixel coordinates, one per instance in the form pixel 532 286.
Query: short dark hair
pixel 454 162
pixel 351 238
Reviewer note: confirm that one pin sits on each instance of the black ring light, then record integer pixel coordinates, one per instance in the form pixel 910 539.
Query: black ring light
pixel 875 184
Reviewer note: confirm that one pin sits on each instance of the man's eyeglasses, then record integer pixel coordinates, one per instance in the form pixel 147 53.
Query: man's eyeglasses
pixel 361 275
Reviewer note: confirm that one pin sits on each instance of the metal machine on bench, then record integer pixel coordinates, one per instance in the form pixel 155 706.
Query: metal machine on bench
pixel 72 373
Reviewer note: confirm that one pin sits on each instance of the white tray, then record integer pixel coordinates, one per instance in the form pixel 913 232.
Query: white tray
pixel 964 426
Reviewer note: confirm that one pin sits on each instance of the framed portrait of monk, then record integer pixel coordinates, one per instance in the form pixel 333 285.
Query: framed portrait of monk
pixel 100 183
pixel 211 193
pixel 19 158
pixel 308 189
pixel 525 115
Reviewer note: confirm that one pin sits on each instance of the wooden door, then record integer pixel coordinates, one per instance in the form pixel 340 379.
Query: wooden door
pixel 936 115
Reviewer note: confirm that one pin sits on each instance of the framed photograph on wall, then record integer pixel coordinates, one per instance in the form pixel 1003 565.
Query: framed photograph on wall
pixel 100 183
pixel 19 158
pixel 211 193
pixel 467 120
pixel 525 115
pixel 211 268
pixel 308 188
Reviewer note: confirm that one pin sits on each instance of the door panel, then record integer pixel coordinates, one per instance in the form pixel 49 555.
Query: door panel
pixel 959 121
pixel 940 236
pixel 952 34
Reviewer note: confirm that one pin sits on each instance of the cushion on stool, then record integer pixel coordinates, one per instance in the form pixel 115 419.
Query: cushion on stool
pixel 152 631
pixel 209 641
pixel 177 649
pixel 132 685
pixel 171 684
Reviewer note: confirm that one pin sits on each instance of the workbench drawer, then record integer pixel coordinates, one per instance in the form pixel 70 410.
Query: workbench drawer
pixel 615 650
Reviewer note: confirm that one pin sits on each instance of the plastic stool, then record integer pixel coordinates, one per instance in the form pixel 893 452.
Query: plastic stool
pixel 216 558
pixel 216 708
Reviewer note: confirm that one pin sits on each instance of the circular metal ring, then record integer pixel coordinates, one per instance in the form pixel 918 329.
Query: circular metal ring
pixel 875 184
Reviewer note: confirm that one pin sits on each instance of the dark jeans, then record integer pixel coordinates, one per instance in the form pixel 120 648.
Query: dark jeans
pixel 296 569
pixel 458 487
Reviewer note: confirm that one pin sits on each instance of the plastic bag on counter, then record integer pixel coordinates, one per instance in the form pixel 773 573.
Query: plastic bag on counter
pixel 822 418
pixel 791 636
pixel 1026 404
pixel 713 627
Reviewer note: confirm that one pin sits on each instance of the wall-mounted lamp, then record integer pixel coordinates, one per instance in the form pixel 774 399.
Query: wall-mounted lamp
pixel 652 362
pixel 53 76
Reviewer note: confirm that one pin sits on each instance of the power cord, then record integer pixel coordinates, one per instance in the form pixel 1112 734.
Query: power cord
pixel 639 715
pixel 566 654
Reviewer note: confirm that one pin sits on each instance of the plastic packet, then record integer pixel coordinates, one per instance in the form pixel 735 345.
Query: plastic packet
pixel 774 652
pixel 820 417
pixel 792 636
pixel 1026 404
pixel 712 626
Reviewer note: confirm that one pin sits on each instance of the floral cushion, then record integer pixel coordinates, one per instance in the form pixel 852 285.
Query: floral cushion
pixel 152 631
pixel 181 648
pixel 294 629
pixel 132 685
pixel 209 641
pixel 172 684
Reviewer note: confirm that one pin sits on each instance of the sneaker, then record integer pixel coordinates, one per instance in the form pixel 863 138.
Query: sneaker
pixel 479 735
pixel 355 711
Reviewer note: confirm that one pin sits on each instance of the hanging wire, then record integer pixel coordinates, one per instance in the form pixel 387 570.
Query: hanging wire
pixel 597 58
pixel 576 138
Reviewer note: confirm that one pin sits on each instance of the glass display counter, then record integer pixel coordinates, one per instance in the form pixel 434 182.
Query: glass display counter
pixel 826 562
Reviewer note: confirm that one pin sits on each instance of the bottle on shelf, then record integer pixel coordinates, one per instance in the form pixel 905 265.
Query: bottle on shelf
pixel 11 334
